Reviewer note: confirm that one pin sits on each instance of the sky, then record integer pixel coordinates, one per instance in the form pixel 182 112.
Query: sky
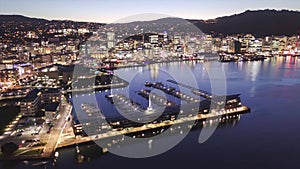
pixel 108 11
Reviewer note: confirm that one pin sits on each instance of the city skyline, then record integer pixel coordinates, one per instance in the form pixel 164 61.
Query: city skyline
pixel 212 83
pixel 110 11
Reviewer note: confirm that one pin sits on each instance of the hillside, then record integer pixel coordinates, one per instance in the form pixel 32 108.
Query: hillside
pixel 260 23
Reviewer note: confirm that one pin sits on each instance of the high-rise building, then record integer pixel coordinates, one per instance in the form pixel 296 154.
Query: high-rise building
pixel 110 36
pixel 245 42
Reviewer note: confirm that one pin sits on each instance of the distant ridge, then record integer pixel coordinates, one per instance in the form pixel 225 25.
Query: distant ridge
pixel 259 23
pixel 19 18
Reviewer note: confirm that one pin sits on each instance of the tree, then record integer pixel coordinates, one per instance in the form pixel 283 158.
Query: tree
pixel 9 148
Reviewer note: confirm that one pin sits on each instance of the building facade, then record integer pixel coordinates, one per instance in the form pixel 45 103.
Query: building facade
pixel 31 104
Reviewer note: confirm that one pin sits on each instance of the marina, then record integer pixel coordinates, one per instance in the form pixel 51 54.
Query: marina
pixel 166 113
pixel 171 114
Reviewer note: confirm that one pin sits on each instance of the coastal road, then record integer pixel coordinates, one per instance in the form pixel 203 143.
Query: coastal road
pixel 59 125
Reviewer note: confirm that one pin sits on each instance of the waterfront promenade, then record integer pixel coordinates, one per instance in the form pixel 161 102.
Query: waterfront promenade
pixel 223 114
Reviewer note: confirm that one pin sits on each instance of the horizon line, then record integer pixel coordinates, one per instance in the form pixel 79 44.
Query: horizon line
pixel 100 22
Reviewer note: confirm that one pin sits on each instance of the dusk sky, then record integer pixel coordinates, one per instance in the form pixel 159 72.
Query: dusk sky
pixel 111 10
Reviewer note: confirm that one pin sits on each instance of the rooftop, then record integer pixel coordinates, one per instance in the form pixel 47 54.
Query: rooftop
pixel 31 96
pixel 51 90
pixel 51 106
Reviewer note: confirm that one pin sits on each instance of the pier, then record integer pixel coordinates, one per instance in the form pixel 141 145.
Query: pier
pixel 157 99
pixel 125 104
pixel 173 92
pixel 199 92
pixel 223 114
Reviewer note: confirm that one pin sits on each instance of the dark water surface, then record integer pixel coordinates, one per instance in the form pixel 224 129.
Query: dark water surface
pixel 267 138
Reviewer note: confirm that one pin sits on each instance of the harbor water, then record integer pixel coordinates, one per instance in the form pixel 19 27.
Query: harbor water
pixel 268 137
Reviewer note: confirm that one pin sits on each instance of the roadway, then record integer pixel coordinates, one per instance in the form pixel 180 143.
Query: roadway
pixel 59 125
pixel 94 87
pixel 11 97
